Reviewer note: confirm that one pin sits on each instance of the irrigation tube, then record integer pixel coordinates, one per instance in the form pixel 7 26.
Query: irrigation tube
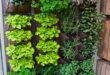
pixel 3 55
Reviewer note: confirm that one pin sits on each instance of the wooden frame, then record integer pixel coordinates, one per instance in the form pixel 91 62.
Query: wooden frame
pixel 4 66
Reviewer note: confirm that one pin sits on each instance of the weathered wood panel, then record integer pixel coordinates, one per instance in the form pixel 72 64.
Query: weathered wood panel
pixel 103 67
pixel 104 51
pixel 105 7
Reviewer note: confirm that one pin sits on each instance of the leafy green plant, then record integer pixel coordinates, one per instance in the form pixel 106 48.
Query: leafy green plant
pixel 48 46
pixel 34 4
pixel 48 70
pixel 19 35
pixel 69 69
pixel 87 65
pixel 23 72
pixel 71 23
pixel 53 5
pixel 46 19
pixel 91 25
pixel 18 2
pixel 20 51
pixel 68 49
pixel 47 33
pixel 49 58
pixel 23 63
pixel 91 72
pixel 18 21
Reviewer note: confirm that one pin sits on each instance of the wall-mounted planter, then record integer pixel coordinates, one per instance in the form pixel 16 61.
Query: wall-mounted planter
pixel 103 67
pixel 18 9
pixel 105 7
pixel 104 51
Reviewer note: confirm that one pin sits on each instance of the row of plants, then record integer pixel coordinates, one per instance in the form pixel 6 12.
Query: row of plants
pixel 47 32
pixel 67 36
pixel 20 50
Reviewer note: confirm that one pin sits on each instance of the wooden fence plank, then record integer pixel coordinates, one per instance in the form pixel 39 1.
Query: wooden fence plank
pixel 104 51
pixel 103 67
pixel 105 7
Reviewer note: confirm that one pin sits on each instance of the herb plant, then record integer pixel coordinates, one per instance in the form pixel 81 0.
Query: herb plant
pixel 46 20
pixel 19 35
pixel 48 46
pixel 49 58
pixel 89 65
pixel 49 70
pixel 70 20
pixel 69 69
pixel 20 51
pixel 18 21
pixel 68 49
pixel 47 33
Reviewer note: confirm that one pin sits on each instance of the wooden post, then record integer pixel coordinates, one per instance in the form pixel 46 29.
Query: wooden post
pixel 4 66
pixel 105 7
pixel 103 67
pixel 104 51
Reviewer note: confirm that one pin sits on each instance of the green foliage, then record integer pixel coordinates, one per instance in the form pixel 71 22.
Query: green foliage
pixel 18 21
pixel 18 2
pixel 91 72
pixel 49 46
pixel 19 35
pixel 49 70
pixel 20 51
pixel 68 49
pixel 69 69
pixel 91 25
pixel 23 72
pixel 49 58
pixel 47 33
pixel 34 4
pixel 70 22
pixel 87 65
pixel 46 19
pixel 19 64
pixel 53 5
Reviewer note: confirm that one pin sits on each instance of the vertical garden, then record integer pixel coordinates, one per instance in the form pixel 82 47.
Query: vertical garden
pixel 52 37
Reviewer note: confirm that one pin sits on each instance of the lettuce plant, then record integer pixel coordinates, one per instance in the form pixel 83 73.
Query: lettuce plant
pixel 19 64
pixel 47 33
pixel 23 72
pixel 48 46
pixel 18 21
pixel 46 19
pixel 19 35
pixel 20 51
pixel 53 5
pixel 49 58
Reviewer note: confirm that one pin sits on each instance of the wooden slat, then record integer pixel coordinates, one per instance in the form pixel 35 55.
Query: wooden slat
pixel 103 67
pixel 105 7
pixel 104 51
